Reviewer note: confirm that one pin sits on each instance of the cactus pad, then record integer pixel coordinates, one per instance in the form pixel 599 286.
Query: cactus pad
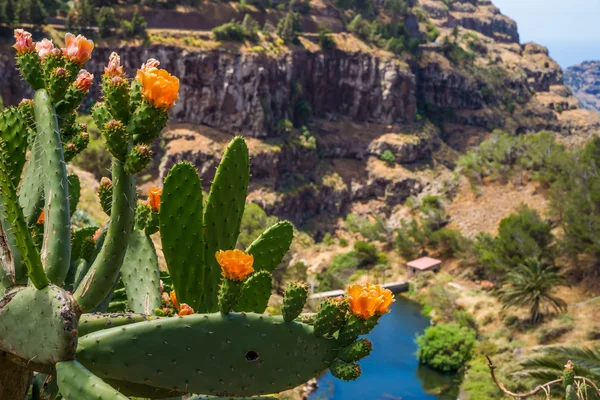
pixel 13 141
pixel 223 213
pixel 345 371
pixel 270 247
pixel 75 382
pixel 223 355
pixel 331 316
pixel 30 316
pixel 256 292
pixel 294 299
pixel 140 274
pixel 182 234
pixel 357 350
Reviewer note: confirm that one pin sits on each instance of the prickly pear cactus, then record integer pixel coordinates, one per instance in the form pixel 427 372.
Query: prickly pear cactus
pixel 201 327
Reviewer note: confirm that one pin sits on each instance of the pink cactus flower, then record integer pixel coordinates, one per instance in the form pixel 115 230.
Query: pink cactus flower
pixel 23 42
pixel 44 48
pixel 114 67
pixel 150 63
pixel 78 49
pixel 84 80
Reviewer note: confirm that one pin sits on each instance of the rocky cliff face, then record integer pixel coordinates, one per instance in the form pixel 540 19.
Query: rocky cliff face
pixel 584 80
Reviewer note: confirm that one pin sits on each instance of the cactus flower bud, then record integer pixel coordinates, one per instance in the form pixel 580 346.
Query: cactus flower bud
pixel 60 72
pixel 83 81
pixel 154 194
pixel 165 297
pixel 40 219
pixel 184 310
pixel 173 298
pixel 161 286
pixel 114 67
pixel 78 49
pixel 97 234
pixel 159 88
pixel 44 48
pixel 235 264
pixel 368 300
pixel 150 63
pixel 23 42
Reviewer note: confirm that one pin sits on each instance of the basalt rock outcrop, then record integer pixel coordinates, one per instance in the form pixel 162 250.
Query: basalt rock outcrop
pixel 584 79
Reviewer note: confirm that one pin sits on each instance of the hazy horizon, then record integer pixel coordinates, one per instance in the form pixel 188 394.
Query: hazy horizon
pixel 569 30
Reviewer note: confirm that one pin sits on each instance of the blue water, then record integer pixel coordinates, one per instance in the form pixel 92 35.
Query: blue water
pixel 392 372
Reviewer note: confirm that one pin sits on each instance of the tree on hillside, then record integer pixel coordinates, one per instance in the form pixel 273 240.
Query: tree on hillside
pixel 290 27
pixel 107 22
pixel 10 12
pixel 531 284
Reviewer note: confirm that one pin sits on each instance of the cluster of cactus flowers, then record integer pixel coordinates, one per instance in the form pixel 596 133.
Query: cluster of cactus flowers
pixel 201 328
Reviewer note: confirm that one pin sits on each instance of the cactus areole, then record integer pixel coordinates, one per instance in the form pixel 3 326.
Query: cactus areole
pixel 201 328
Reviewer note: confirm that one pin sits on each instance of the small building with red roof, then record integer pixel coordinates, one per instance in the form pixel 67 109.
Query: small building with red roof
pixel 423 264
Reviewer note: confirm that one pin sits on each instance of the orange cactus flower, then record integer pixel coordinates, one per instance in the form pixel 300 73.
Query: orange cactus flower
pixel 97 234
pixel 84 80
pixel 159 88
pixel 184 310
pixel 154 194
pixel 78 49
pixel 235 264
pixel 173 298
pixel 41 218
pixel 368 300
pixel 114 67
pixel 23 42
pixel 44 48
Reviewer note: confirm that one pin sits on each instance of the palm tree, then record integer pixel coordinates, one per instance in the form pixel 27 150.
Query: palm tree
pixel 531 284
pixel 547 363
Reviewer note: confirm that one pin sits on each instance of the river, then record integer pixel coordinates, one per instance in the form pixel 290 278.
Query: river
pixel 391 371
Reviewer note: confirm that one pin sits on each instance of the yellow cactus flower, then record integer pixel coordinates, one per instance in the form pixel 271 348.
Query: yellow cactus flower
pixel 235 264
pixel 154 194
pixel 184 310
pixel 78 49
pixel 173 298
pixel 368 300
pixel 159 88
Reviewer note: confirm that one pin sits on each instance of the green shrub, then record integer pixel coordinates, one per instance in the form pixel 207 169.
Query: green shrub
pixel 464 319
pixel 325 39
pixel 375 230
pixel 231 31
pixel 327 239
pixel 446 347
pixel 366 253
pixel 546 335
pixel 388 157
pixel 290 27
pixel 343 242
pixel 448 242
pixel 511 321
pixel 477 383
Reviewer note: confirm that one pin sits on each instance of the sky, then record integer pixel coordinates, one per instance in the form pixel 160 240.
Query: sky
pixel 569 28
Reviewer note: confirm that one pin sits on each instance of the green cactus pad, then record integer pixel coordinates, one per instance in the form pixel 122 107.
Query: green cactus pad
pixel 75 382
pixel 74 192
pixel 101 114
pixel 205 397
pixel 142 212
pixel 116 95
pixel 30 316
pixel 182 234
pixel 140 274
pixel 44 387
pixel 117 139
pixel 354 327
pixel 57 236
pixel 568 377
pixel 79 245
pixel 229 294
pixel 31 192
pixel 294 299
pixel 70 101
pixel 104 272
pixel 152 223
pixel 15 229
pixel 256 292
pixel 216 354
pixel 308 318
pixel 31 70
pixel 270 247
pixel 345 371
pixel 143 391
pixel 571 393
pixel 105 194
pixel 13 141
pixel 331 316
pixel 57 83
pixel 89 323
pixel 146 123
pixel 223 213
pixel 138 158
pixel 357 350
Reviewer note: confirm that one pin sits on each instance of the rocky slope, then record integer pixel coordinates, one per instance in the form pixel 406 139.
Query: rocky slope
pixel 584 80
pixel 358 101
